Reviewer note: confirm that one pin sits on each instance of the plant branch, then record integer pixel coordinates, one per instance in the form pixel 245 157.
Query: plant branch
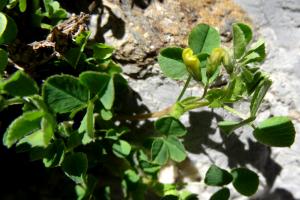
pixel 184 88
pixel 235 112
pixel 161 113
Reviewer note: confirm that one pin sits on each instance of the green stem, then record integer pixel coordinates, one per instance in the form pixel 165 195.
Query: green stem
pixel 235 112
pixel 204 92
pixel 14 101
pixel 196 105
pixel 184 88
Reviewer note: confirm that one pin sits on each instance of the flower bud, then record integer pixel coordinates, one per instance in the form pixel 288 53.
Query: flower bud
pixel 192 63
pixel 227 62
pixel 214 61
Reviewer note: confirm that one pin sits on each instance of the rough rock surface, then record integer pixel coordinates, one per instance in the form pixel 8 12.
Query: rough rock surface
pixel 278 22
pixel 139 29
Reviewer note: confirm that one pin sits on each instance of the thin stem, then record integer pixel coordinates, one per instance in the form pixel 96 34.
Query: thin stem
pixel 184 88
pixel 161 113
pixel 196 105
pixel 14 101
pixel 235 112
pixel 15 64
pixel 204 92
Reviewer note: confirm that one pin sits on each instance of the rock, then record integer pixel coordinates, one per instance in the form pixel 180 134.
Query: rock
pixel 139 30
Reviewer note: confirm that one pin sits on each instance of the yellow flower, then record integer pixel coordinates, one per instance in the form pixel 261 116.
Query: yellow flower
pixel 192 63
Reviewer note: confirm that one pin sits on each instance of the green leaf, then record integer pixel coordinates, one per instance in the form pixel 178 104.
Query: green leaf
pixel 2 5
pixel 20 84
pixel 251 78
pixel 55 154
pixel 108 96
pixel 203 63
pixel 215 97
pixel 64 93
pixel 245 181
pixel 3 23
pixel 73 55
pixel 159 151
pixel 222 194
pixel 229 126
pixel 22 5
pixel 102 51
pixel 203 39
pixel 235 89
pixel 176 149
pixel 131 176
pixel 146 165
pixel 8 29
pixel 256 53
pixel 121 148
pixel 75 166
pixel 106 114
pixel 85 191
pixel 23 125
pixel 242 35
pixel 259 95
pixel 48 125
pixel 90 119
pixel 96 82
pixel 170 126
pixel 35 139
pixel 217 176
pixel 171 63
pixel 259 49
pixel 215 75
pixel 165 148
pixel 83 129
pixel 3 60
pixel 276 132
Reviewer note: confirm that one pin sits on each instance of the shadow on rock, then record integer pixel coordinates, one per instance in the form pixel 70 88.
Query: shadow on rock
pixel 199 140
pixel 278 194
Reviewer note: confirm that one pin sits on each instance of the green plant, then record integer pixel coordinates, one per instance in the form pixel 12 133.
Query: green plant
pixel 71 117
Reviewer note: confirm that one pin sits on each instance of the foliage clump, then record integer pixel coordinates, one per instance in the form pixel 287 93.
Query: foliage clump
pixel 70 114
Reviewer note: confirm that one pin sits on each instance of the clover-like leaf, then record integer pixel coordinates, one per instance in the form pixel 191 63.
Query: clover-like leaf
pixel 256 53
pixel 171 63
pixel 229 126
pixel 25 124
pixel 168 148
pixel 245 181
pixel 102 51
pixel 108 96
pixel 242 35
pixel 75 165
pixel 176 149
pixel 217 176
pixel 64 93
pixel 54 154
pixel 20 84
pixel 22 5
pixel 121 148
pixel 96 82
pixel 170 126
pixel 72 56
pixel 259 94
pixel 8 29
pixel 222 194
pixel 276 131
pixel 159 151
pixel 203 39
